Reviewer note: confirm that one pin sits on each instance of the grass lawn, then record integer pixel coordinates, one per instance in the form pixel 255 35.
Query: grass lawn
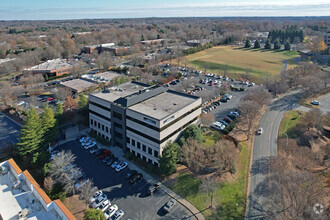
pixel 210 138
pixel 289 121
pixel 238 60
pixel 227 195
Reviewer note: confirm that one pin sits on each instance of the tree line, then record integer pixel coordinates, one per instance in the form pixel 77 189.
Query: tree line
pixel 286 35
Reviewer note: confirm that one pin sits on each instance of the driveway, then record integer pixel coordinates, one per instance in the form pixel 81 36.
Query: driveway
pixel 9 131
pixel 325 102
pixel 132 199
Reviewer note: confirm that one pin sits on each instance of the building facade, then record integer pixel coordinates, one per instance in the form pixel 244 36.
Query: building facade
pixel 142 118
pixel 327 40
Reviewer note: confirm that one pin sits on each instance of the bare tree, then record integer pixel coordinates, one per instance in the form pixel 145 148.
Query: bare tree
pixel 5 92
pixel 80 70
pixel 209 186
pixel 59 164
pixel 69 178
pixel 70 104
pixel 207 119
pixel 105 60
pixel 62 93
pixel 87 190
pixel 249 110
pixel 258 95
pixel 48 184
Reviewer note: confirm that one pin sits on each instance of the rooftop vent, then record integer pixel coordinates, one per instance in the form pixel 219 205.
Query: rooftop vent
pixel 155 109
pixel 174 103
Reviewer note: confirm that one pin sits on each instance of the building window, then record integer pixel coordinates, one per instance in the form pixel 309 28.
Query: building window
pixel 133 142
pixel 128 140
pixel 95 123
pixel 168 120
pixel 102 127
pixel 119 135
pixel 106 129
pixel 148 120
pixel 98 125
pixel 118 125
pixel 155 153
pixel 117 115
pixel 149 151
pixel 144 148
pixel 91 121
pixel 138 145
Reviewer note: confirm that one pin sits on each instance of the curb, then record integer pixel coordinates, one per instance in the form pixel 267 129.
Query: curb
pixel 11 119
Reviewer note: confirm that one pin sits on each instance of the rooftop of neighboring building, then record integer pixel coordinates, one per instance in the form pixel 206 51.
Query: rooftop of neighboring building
pixel 107 76
pixel 120 91
pixel 52 64
pixel 164 104
pixel 78 84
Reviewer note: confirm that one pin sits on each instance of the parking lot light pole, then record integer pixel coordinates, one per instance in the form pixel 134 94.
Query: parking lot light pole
pixel 287 140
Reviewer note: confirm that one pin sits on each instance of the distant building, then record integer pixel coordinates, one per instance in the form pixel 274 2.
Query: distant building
pixel 56 67
pixel 327 40
pixel 21 197
pixel 142 118
pixel 111 47
pixel 152 42
pixel 195 43
pixel 256 35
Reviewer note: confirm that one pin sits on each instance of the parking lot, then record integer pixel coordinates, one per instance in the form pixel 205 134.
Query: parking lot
pixel 131 198
pixel 9 131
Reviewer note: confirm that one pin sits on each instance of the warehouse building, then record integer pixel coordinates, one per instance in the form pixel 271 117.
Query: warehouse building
pixel 142 118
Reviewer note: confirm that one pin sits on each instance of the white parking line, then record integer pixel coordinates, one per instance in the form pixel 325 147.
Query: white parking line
pixel 160 201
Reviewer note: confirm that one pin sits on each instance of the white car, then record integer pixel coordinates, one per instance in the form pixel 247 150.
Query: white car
pixel 315 102
pixel 90 145
pixel 94 149
pixel 99 201
pixel 260 130
pixel 218 125
pixel 121 166
pixel 104 205
pixel 21 103
pixel 95 196
pixel 110 212
pixel 115 164
pixel 118 215
pixel 84 139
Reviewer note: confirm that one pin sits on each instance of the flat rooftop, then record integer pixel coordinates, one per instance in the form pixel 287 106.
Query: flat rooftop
pixel 15 200
pixel 164 104
pixel 78 84
pixel 109 75
pixel 52 64
pixel 120 91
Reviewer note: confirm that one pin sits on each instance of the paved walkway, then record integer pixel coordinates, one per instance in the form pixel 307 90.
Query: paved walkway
pixel 118 152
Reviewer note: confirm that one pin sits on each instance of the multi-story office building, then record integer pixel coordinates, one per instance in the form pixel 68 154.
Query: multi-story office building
pixel 327 40
pixel 142 118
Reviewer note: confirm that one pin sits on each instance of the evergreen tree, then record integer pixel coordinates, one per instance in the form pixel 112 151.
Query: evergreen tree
pixel 247 44
pixel 192 132
pixel 48 122
pixel 169 158
pixel 31 135
pixel 277 45
pixel 287 46
pixel 257 44
pixel 268 45
pixel 94 214
pixel 83 102
pixel 46 77
pixel 59 113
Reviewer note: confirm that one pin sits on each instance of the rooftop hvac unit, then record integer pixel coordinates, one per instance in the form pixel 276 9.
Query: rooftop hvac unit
pixel 4 169
pixel 23 213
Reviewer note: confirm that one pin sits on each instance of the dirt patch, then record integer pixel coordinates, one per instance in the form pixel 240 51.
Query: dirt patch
pixel 76 206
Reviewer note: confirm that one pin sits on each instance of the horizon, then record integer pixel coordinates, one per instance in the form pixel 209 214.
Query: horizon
pixel 38 10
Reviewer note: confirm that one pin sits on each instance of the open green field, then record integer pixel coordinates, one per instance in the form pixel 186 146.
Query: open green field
pixel 238 61
pixel 289 121
pixel 229 197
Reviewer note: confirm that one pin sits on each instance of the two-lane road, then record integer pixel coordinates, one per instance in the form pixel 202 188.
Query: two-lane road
pixel 265 146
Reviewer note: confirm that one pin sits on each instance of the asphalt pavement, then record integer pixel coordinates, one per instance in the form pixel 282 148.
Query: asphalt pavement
pixel 9 131
pixel 265 147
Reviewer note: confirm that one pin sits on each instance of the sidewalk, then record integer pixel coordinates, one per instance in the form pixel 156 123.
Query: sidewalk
pixel 118 152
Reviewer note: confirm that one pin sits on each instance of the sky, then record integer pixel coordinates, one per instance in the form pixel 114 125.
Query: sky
pixel 80 9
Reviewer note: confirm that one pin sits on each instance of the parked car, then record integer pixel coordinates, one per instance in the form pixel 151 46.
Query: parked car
pixel 121 166
pixel 131 174
pixel 118 215
pixel 315 102
pixel 95 196
pixel 106 158
pixel 99 151
pixel 105 153
pixel 94 149
pixel 110 212
pixel 227 96
pixel 21 103
pixel 223 122
pixel 88 146
pixel 227 119
pixel 152 189
pixel 115 163
pixel 223 99
pixel 219 126
pixel 136 178
pixel 260 130
pixel 169 205
pixel 104 205
pixel 99 200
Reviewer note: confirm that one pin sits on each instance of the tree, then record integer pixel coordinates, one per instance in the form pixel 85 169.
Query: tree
pixel 256 44
pixel 209 186
pixel 316 44
pixel 247 44
pixel 249 110
pixel 83 102
pixel 87 190
pixel 62 92
pixel 70 104
pixel 169 158
pixel 5 92
pixel 207 119
pixel 59 114
pixel 48 184
pixel 48 123
pixel 287 46
pixel 60 163
pixel 192 132
pixel 30 135
pixel 277 45
pixel 268 45
pixel 105 60
pixel 94 214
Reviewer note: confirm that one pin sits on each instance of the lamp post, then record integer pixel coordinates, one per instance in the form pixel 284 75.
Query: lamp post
pixel 287 140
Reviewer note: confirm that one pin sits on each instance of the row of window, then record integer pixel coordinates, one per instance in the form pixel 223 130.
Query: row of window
pixel 144 158
pixel 100 126
pixel 142 147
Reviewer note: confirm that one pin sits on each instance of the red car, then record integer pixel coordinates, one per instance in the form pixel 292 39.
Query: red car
pixel 49 99
pixel 104 154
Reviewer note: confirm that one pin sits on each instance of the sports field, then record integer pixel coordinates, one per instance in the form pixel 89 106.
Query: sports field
pixel 238 61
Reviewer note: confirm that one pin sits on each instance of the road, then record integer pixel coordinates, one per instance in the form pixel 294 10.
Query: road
pixel 8 131
pixel 265 146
